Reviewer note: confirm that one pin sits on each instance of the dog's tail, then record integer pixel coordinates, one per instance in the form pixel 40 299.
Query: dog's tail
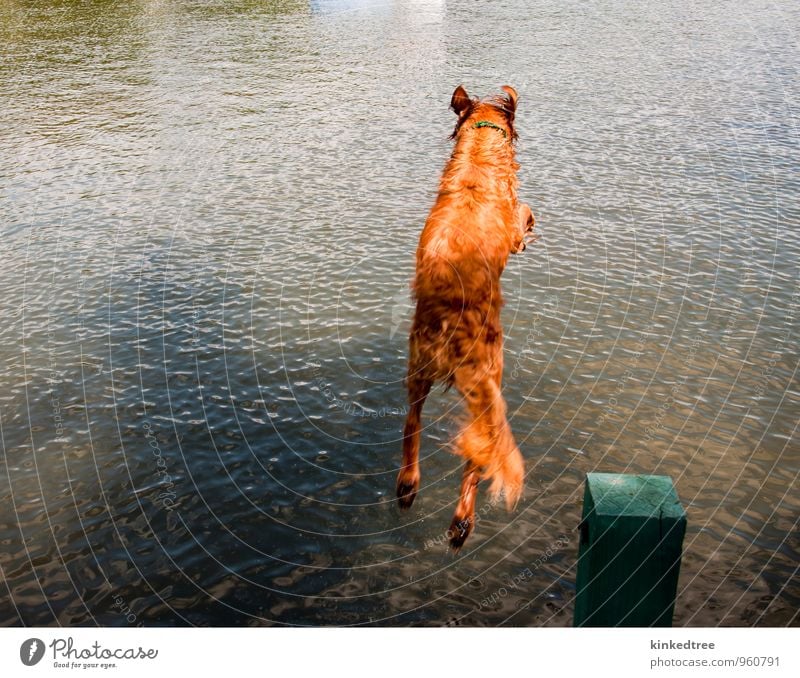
pixel 486 440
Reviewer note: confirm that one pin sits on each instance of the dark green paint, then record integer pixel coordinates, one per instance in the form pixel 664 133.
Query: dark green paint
pixel 630 551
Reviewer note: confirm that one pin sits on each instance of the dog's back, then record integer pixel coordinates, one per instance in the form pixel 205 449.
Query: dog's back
pixel 465 245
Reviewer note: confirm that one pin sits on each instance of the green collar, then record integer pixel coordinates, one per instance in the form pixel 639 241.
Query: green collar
pixel 486 123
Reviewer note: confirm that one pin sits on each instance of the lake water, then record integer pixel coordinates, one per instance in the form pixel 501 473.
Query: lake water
pixel 208 215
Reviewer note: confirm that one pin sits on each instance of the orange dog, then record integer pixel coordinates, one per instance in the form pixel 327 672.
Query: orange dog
pixel 456 336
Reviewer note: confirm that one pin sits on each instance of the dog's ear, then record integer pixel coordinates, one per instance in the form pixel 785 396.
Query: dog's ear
pixel 511 95
pixel 460 101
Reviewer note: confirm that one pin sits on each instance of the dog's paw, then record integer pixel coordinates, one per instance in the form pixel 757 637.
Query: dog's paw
pixel 530 223
pixel 526 223
pixel 529 240
pixel 406 492
pixel 523 243
pixel 459 530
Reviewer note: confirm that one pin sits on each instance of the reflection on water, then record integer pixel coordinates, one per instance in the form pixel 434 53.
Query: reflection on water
pixel 209 213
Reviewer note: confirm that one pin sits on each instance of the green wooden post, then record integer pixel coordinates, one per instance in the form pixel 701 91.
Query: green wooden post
pixel 630 551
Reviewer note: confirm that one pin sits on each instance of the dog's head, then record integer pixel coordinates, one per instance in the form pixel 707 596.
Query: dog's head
pixel 498 109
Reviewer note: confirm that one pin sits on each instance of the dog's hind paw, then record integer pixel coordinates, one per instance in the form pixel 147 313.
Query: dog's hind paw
pixel 459 530
pixel 406 493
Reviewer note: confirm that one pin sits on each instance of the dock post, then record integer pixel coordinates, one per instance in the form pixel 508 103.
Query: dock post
pixel 631 540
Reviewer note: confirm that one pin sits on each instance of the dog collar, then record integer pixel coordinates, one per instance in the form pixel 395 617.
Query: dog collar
pixel 486 123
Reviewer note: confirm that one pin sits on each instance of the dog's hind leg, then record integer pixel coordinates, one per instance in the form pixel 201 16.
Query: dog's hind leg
pixel 486 440
pixel 408 478
pixel 464 517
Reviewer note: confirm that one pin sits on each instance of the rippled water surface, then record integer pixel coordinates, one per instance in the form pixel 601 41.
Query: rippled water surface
pixel 208 215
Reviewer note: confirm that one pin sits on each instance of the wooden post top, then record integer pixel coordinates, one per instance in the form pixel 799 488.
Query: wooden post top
pixel 616 494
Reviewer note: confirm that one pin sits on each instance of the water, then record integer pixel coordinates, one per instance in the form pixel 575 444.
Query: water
pixel 209 213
